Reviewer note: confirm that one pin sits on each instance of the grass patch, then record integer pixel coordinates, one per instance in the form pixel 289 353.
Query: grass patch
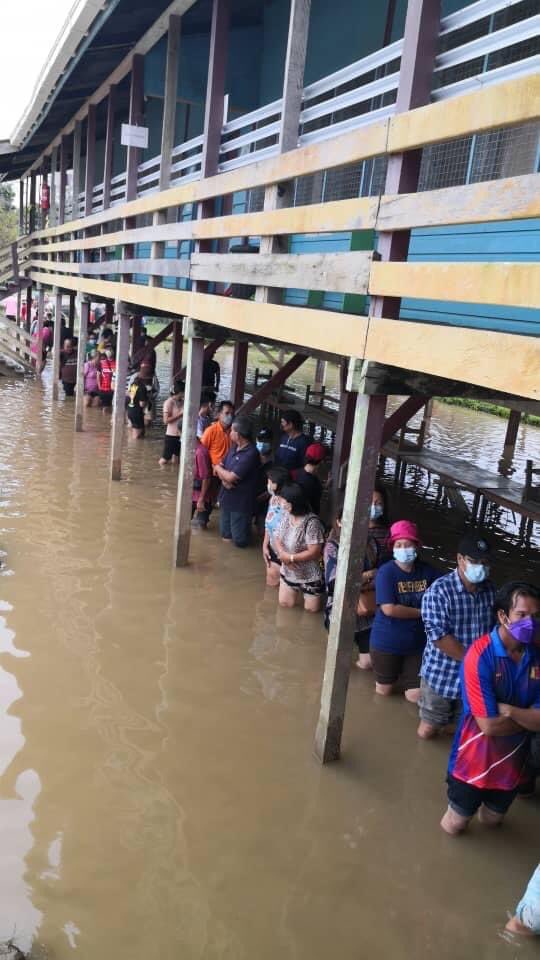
pixel 484 407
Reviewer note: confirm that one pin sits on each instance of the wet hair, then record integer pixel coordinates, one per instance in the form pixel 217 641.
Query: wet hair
pixel 383 492
pixel 223 404
pixel 280 476
pixel 243 427
pixel 178 386
pixel 506 597
pixel 295 495
pixel 292 416
pixel 107 334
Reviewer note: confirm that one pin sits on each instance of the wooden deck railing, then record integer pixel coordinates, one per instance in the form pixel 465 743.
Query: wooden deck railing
pixel 433 348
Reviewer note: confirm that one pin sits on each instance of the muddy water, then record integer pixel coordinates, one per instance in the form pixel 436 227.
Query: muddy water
pixel 158 798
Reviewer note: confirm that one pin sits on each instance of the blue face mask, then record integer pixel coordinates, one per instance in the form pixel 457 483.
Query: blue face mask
pixel 375 511
pixel 405 554
pixel 263 447
pixel 475 572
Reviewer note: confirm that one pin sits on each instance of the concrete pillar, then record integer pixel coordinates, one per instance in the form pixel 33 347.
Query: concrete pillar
pixel 81 357
pixel 182 521
pixel 119 406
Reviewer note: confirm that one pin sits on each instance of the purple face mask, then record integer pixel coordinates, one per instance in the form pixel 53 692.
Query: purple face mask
pixel 523 631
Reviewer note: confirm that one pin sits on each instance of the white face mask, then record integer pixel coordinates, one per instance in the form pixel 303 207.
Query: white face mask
pixel 405 554
pixel 475 572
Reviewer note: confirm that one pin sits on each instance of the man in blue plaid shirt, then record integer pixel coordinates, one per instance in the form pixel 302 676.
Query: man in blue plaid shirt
pixel 456 610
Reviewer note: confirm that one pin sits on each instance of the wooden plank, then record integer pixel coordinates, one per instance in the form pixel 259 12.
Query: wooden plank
pixel 119 405
pixel 505 284
pixel 341 272
pixel 499 105
pixel 169 102
pixel 367 432
pixel 182 520
pixel 473 356
pixel 163 268
pixel 215 87
pixel 324 330
pixel 514 198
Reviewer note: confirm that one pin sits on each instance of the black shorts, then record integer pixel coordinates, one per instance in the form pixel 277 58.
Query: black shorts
pixel 106 397
pixel 91 393
pixel 273 555
pixel 310 588
pixel 388 668
pixel 466 799
pixel 171 447
pixel 136 417
pixel 69 388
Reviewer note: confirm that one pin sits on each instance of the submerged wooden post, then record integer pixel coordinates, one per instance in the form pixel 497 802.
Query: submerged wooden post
pixel 39 330
pixel 238 379
pixel 182 520
pixel 57 346
pixel 368 426
pixel 81 357
pixel 119 403
pixel 510 439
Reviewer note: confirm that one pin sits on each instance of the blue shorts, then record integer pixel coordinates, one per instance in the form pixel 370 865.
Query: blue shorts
pixel 528 908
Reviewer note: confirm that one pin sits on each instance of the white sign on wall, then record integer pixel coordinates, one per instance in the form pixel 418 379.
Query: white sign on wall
pixel 134 136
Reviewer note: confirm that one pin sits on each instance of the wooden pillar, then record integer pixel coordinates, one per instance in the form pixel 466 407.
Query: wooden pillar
pixel 32 212
pixel 176 350
pixel 109 313
pixel 512 430
pixel 169 102
pixel 71 314
pixel 215 89
pixel 53 213
pixel 136 114
pixel 28 308
pixel 57 345
pixel 320 373
pixel 21 208
pixel 90 174
pixel 136 328
pixel 81 357
pixel 277 196
pixel 76 185
pixel 109 147
pixel 182 520
pixel 63 181
pixel 39 330
pixel 343 437
pixel 119 405
pixel 368 426
pixel 238 379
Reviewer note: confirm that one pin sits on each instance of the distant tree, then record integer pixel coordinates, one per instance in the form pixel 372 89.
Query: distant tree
pixel 8 215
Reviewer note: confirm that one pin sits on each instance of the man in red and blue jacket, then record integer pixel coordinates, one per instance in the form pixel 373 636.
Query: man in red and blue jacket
pixel 500 681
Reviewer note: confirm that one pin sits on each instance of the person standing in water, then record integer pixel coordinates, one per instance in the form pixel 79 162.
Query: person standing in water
pixel 106 379
pixel 68 368
pixel 173 411
pixel 293 443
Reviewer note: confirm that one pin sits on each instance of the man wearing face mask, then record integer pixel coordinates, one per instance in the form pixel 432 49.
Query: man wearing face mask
pixel 217 437
pixel 456 610
pixel 500 677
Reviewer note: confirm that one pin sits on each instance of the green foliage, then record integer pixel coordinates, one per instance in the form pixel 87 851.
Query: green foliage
pixel 8 215
pixel 493 408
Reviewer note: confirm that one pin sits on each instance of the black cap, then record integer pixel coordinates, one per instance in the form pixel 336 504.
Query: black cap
pixel 474 546
pixel 264 434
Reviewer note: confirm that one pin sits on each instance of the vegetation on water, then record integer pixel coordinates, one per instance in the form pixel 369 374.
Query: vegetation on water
pixel 494 408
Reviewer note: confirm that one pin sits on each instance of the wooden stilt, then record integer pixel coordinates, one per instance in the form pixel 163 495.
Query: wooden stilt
pixel 136 116
pixel 169 102
pixel 76 186
pixel 63 181
pixel 90 172
pixel 119 406
pixel 512 430
pixel 368 426
pixel 238 380
pixel 182 522
pixel 81 357
pixel 39 330
pixel 109 147
pixel 71 317
pixel 57 346
pixel 343 437
pixel 176 350
pixel 136 332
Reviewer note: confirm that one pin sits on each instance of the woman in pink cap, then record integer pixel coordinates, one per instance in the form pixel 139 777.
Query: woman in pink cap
pixel 397 635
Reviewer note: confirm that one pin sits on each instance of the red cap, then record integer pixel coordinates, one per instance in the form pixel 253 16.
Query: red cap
pixel 316 451
pixel 404 530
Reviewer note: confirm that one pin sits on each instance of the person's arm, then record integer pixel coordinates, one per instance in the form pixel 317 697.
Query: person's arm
pixel 479 685
pixel 203 496
pixel 399 611
pixel 226 476
pixel 434 612
pixel 385 596
pixel 312 552
pixel 528 718
pixel 265 547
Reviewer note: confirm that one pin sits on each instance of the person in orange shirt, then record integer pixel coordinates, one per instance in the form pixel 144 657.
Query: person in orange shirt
pixel 217 437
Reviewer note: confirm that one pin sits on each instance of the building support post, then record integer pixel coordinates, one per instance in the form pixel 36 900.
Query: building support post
pixel 76 182
pixel 21 208
pixel 63 181
pixel 279 195
pixel 39 329
pixel 71 313
pixel 109 147
pixel 169 102
pixel 343 437
pixel 53 213
pixel 32 211
pixel 90 174
pixel 84 314
pixel 510 439
pixel 182 521
pixel 368 426
pixel 176 350
pixel 136 330
pixel 136 113
pixel 57 346
pixel 238 379
pixel 119 407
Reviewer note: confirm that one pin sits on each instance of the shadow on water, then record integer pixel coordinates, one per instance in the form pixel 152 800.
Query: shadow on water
pixel 158 797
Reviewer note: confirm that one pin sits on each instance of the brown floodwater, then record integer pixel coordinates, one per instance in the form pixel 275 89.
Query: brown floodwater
pixel 158 796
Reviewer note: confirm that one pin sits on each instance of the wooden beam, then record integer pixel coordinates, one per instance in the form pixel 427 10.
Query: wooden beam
pixel 90 175
pixel 119 401
pixel 57 346
pixel 53 212
pixel 176 350
pixel 341 272
pixel 343 435
pixel 76 181
pixel 505 284
pixel 136 118
pixel 215 87
pixel 109 146
pixel 81 358
pixel 400 417
pixel 169 101
pixel 368 426
pixel 275 382
pixel 164 268
pixel 63 181
pixel 182 520
pixel 238 378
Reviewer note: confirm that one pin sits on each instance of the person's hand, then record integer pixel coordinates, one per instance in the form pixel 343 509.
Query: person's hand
pixel 266 555
pixel 505 710
pixel 201 506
